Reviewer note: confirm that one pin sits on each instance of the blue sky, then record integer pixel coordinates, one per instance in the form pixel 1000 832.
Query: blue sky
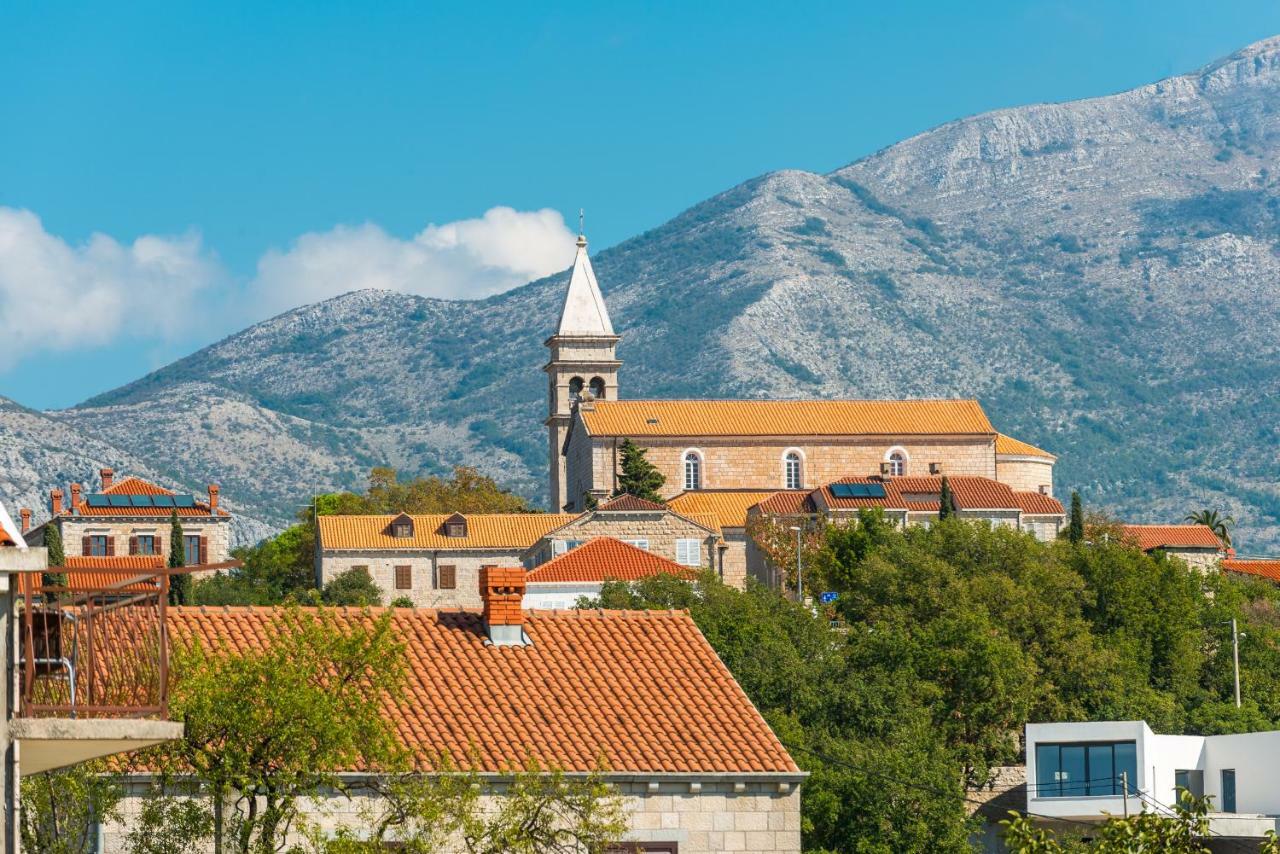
pixel 236 158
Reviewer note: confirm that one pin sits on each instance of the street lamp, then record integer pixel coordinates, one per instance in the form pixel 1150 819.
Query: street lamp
pixel 1235 655
pixel 799 567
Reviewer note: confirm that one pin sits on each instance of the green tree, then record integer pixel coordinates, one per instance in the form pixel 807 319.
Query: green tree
pixel 53 542
pixel 61 809
pixel 267 726
pixel 1213 520
pixel 171 822
pixel 179 583
pixel 354 587
pixel 638 476
pixel 946 505
pixel 1075 528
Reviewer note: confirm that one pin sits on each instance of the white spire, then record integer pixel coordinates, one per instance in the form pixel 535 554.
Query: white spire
pixel 584 311
pixel 6 524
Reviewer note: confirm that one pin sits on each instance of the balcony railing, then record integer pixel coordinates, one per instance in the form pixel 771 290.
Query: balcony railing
pixel 95 644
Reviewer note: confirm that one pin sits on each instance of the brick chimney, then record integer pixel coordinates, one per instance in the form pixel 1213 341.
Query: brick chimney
pixel 75 497
pixel 26 519
pixel 55 499
pixel 108 476
pixel 213 498
pixel 502 591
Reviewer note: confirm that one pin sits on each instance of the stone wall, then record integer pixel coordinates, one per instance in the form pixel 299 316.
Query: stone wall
pixel 701 817
pixel 217 532
pixel 733 558
pixel 424 571
pixel 661 530
pixel 1202 560
pixel 1025 474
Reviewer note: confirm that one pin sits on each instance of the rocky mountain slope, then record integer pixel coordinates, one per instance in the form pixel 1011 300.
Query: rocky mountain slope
pixel 1102 274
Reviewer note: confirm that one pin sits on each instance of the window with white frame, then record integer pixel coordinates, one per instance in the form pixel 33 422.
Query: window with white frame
pixel 689 552
pixel 897 463
pixel 792 472
pixel 692 470
pixel 638 543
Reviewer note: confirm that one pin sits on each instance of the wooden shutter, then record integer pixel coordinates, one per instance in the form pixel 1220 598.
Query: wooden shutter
pixel 448 577
pixel 86 545
pixel 133 545
pixel 404 578
pixel 204 550
pixel 158 548
pixel 111 545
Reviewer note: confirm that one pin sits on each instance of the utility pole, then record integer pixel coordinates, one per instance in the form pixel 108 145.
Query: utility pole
pixel 1124 783
pixel 1235 657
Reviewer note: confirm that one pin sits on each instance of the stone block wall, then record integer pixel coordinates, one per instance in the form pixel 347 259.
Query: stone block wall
pixel 661 530
pixel 733 558
pixel 425 591
pixel 217 532
pixel 705 817
pixel 1025 474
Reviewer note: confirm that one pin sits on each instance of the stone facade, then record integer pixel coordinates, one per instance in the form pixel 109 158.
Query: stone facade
pixel 655 531
pixel 1025 474
pixel 698 815
pixel 1202 560
pixel 215 532
pixel 749 463
pixel 425 589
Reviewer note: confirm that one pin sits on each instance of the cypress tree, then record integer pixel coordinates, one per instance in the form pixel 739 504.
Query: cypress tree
pixel 638 477
pixel 57 557
pixel 1075 532
pixel 946 507
pixel 179 585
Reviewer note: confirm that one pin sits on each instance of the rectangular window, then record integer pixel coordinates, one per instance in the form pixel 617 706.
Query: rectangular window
pixel 404 578
pixel 640 543
pixel 689 552
pixel 146 544
pixel 1085 770
pixel 559 547
pixel 97 545
pixel 191 549
pixel 448 577
pixel 1228 790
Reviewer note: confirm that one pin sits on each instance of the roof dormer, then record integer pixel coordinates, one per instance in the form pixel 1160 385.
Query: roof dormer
pixel 455 526
pixel 401 527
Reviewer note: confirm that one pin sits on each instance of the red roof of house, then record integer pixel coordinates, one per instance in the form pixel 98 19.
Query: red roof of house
pixel 1037 503
pixel 1263 568
pixel 1148 537
pixel 127 573
pixel 131 485
pixel 642 690
pixel 631 503
pixel 604 558
pixel 922 494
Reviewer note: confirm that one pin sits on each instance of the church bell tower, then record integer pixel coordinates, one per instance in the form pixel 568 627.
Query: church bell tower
pixel 582 364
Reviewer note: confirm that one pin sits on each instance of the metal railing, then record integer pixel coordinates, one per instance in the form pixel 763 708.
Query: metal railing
pixel 95 644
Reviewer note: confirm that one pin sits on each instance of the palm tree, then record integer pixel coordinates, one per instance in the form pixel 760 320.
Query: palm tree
pixel 1214 521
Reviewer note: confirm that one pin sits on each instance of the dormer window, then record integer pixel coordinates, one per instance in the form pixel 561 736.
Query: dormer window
pixel 402 526
pixel 455 526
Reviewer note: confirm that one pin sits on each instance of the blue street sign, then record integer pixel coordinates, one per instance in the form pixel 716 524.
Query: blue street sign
pixel 829 597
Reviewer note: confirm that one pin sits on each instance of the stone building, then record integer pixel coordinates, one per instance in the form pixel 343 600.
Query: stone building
pixel 582 572
pixel 696 764
pixel 1195 544
pixel 131 517
pixel 748 444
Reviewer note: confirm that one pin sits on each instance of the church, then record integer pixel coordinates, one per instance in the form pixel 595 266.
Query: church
pixel 753 445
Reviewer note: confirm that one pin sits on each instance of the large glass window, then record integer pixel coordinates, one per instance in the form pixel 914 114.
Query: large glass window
pixel 1082 770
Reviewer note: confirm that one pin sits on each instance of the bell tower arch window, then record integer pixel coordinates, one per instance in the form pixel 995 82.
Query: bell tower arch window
pixel 575 389
pixel 597 388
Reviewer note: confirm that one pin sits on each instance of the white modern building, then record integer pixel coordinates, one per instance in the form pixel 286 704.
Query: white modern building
pixel 1081 772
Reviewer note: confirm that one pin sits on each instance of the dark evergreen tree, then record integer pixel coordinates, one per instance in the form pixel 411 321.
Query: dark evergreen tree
pixel 1075 531
pixel 638 477
pixel 53 542
pixel 179 584
pixel 946 505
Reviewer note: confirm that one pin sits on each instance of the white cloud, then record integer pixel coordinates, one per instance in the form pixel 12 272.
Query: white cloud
pixel 55 296
pixel 467 259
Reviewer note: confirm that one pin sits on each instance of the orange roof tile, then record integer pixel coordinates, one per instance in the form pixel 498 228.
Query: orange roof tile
pixel 642 690
pixel 1261 567
pixel 785 418
pixel 923 493
pixel 788 504
pixel 132 485
pixel 127 573
pixel 116 562
pixel 484 531
pixel 630 503
pixel 1148 537
pixel 728 507
pixel 1014 447
pixel 604 558
pixel 1039 504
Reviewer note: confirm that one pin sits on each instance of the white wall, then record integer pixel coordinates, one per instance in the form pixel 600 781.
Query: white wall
pixel 1255 756
pixel 1094 806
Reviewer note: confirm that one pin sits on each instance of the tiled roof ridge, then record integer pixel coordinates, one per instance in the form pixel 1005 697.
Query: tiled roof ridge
pixel 441 515
pixel 379 610
pixel 124 481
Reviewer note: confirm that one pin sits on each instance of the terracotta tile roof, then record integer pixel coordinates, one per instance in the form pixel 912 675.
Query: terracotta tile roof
pixel 707 520
pixel 632 504
pixel 1268 568
pixel 85 573
pixel 788 504
pixel 117 562
pixel 1148 537
pixel 728 507
pixel 484 531
pixel 1038 504
pixel 604 558
pixel 1014 447
pixel 641 689
pixel 132 485
pixel 786 418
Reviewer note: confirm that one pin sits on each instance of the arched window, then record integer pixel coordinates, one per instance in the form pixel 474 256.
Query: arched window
pixel 692 470
pixel 575 389
pixel 897 463
pixel 792 473
pixel 597 388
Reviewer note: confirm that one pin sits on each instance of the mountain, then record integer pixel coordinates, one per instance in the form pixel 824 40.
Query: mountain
pixel 1102 274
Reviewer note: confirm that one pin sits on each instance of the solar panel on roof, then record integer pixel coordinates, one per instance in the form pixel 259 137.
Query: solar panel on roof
pixel 184 501
pixel 141 500
pixel 96 500
pixel 858 490
pixel 162 500
pixel 119 500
